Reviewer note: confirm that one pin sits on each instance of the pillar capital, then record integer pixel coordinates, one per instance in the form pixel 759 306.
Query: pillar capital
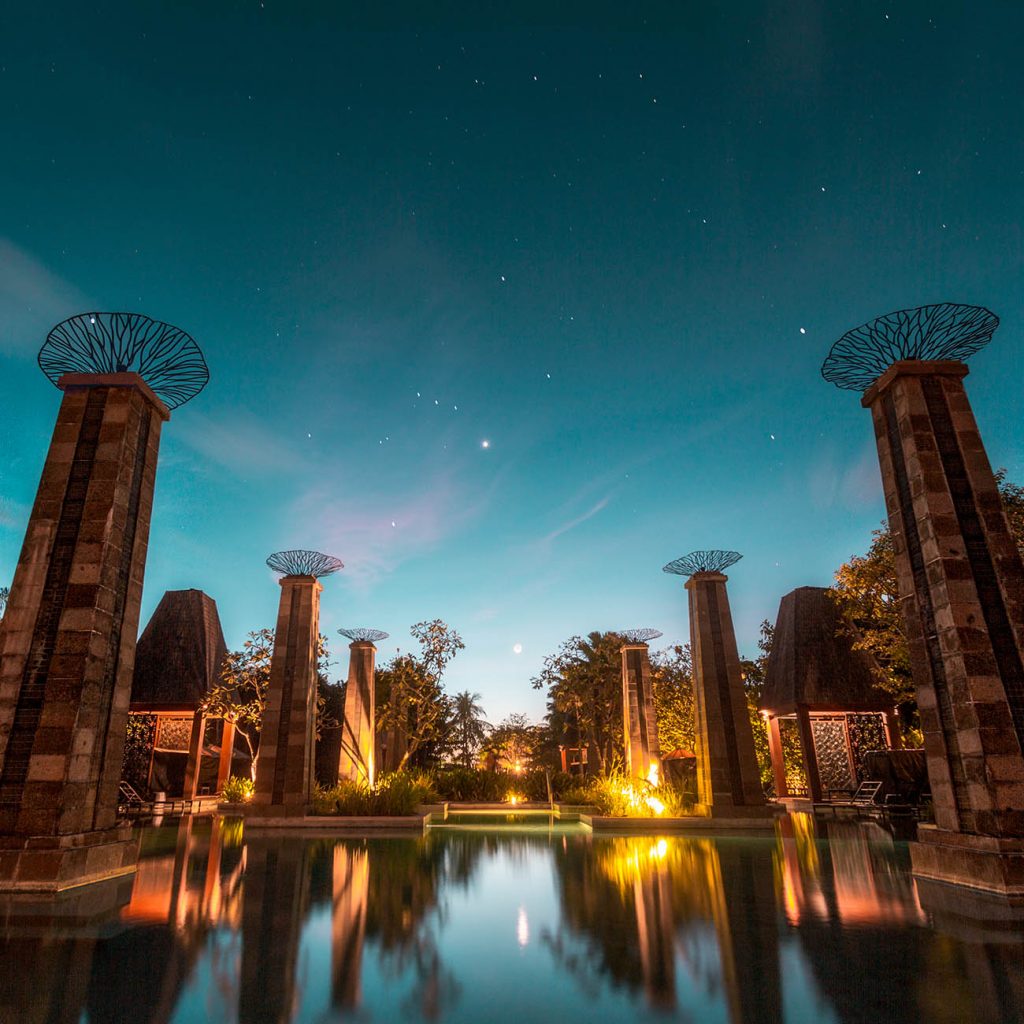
pixel 82 381
pixel 913 368
pixel 705 577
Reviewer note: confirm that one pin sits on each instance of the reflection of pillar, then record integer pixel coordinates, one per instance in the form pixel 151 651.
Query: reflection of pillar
pixel 273 910
pixel 68 637
pixel 727 772
pixel 810 753
pixel 227 749
pixel 961 586
pixel 652 900
pixel 348 924
pixel 287 741
pixel 778 758
pixel 748 942
pixel 358 727
pixel 641 728
pixel 194 764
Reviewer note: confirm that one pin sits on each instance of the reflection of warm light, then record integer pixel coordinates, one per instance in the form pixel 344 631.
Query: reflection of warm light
pixel 652 775
pixel 522 927
pixel 658 851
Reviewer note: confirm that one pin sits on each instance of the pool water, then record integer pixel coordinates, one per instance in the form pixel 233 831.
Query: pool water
pixel 530 920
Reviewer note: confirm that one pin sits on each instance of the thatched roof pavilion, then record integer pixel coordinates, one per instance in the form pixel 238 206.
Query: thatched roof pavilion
pixel 180 653
pixel 178 659
pixel 814 664
pixel 817 680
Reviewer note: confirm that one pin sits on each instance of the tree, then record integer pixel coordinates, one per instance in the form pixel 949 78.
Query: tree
pixel 672 679
pixel 512 742
pixel 241 695
pixel 584 682
pixel 411 701
pixel 468 727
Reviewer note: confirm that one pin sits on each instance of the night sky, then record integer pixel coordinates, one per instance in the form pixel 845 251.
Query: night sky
pixel 507 312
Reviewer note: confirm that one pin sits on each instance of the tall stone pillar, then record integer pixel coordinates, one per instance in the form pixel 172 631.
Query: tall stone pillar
pixel 67 640
pixel 961 585
pixel 643 752
pixel 284 773
pixel 358 728
pixel 728 779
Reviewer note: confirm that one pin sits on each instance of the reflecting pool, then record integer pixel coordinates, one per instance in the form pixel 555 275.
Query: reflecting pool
pixel 529 921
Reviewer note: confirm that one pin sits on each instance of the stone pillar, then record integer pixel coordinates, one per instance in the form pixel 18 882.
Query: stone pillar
pixel 358 727
pixel 68 638
pixel 284 773
pixel 194 764
pixel 961 584
pixel 728 780
pixel 643 753
pixel 778 758
pixel 227 749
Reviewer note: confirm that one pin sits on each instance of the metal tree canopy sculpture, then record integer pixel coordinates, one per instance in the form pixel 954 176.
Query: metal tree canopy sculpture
pixel 304 563
pixel 359 634
pixel 702 561
pixel 946 330
pixel 641 636
pixel 165 357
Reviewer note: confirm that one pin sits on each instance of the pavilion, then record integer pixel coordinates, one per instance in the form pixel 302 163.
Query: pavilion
pixel 178 659
pixel 818 685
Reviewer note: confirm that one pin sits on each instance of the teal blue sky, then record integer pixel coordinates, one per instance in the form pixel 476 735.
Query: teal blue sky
pixel 614 247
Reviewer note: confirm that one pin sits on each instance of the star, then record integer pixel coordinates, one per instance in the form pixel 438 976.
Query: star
pixel 485 444
pixel 803 330
pixel 517 648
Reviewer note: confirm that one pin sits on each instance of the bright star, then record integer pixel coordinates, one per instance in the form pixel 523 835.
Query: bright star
pixel 517 648
pixel 485 444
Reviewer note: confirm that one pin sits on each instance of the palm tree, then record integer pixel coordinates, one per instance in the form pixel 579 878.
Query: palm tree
pixel 469 727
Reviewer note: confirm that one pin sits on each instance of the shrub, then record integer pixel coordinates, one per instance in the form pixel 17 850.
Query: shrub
pixel 471 785
pixel 397 794
pixel 619 796
pixel 237 790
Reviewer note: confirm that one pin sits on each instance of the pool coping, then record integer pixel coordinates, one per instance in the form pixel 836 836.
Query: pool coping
pixel 694 823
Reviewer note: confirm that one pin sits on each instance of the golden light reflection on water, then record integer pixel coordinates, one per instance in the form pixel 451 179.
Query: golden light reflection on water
pixel 676 923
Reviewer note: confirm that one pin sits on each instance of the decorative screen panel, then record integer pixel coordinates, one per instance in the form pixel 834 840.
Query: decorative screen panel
pixel 173 733
pixel 867 732
pixel 832 753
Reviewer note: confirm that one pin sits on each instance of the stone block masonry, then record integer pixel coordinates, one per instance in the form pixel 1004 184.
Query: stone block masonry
pixel 67 642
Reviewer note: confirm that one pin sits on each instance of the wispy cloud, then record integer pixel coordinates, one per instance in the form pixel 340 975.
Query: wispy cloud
pixel 32 300
pixel 573 523
pixel 375 533
pixel 240 442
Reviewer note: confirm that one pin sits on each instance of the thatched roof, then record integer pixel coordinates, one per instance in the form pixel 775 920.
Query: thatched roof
pixel 180 653
pixel 811 664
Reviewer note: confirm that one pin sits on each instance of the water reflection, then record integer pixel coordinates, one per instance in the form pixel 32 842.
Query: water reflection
pixel 491 925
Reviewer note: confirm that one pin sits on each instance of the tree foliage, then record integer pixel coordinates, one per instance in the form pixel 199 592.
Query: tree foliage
pixel 672 678
pixel 410 699
pixel 512 743
pixel 584 683
pixel 241 695
pixel 467 726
